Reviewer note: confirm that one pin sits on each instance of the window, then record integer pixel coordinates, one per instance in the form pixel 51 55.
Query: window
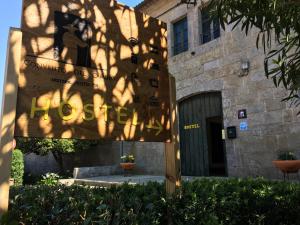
pixel 180 36
pixel 210 27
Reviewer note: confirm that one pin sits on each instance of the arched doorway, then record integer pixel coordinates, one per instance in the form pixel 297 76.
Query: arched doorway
pixel 202 142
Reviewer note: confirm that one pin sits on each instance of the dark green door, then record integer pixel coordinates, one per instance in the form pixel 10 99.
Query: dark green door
pixel 201 143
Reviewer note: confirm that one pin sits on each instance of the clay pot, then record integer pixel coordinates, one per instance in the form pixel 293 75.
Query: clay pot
pixel 287 166
pixel 127 166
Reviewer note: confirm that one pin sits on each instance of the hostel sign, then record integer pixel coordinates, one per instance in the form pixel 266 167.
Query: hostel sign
pixel 92 70
pixel 88 70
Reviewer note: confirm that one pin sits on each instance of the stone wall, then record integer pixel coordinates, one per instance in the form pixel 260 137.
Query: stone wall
pixel 105 154
pixel 149 159
pixel 215 66
pixel 39 165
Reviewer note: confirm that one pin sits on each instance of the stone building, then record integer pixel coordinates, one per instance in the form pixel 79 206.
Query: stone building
pixel 232 121
pixel 221 88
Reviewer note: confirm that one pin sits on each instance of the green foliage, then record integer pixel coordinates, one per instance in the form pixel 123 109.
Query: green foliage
pixel 203 202
pixel 287 156
pixel 17 167
pixel 58 147
pixel 31 179
pixel 278 23
pixel 50 179
pixel 42 146
pixel 128 158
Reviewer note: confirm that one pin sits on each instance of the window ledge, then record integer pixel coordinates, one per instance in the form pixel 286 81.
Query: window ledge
pixel 179 55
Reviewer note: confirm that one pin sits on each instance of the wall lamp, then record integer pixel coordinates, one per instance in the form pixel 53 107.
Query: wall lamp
pixel 245 68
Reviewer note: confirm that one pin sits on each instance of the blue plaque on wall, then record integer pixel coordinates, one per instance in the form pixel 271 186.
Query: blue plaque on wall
pixel 244 126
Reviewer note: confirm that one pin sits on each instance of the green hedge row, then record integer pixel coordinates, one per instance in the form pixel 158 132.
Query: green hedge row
pixel 17 167
pixel 205 201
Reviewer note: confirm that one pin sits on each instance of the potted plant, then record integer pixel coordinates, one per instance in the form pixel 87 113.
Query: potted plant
pixel 127 162
pixel 287 163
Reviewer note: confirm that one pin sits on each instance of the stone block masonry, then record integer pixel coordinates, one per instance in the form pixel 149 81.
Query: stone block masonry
pixel 273 126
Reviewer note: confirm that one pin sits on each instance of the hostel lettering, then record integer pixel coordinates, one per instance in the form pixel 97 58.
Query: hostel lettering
pixel 68 111
pixel 192 126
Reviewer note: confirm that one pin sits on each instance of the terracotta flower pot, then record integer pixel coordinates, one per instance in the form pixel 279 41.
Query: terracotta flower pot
pixel 287 166
pixel 127 166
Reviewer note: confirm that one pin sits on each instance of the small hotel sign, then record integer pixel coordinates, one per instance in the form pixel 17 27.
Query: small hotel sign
pixel 192 126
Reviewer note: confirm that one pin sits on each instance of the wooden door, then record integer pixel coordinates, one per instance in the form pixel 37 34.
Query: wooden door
pixel 195 141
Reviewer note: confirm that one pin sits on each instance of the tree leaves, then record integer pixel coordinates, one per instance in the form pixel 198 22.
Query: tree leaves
pixel 278 22
pixel 42 146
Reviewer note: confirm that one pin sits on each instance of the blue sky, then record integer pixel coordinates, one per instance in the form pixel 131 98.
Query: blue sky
pixel 10 16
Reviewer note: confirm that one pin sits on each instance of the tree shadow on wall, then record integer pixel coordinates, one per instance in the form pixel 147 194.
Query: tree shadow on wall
pixel 100 67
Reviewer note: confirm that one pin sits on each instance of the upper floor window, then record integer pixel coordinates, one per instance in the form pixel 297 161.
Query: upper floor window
pixel 210 28
pixel 180 29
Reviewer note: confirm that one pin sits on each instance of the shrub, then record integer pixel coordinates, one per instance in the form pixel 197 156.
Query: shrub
pixel 49 179
pixel 203 202
pixel 31 179
pixel 17 167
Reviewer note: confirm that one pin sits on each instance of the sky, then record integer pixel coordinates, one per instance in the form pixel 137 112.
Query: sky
pixel 10 16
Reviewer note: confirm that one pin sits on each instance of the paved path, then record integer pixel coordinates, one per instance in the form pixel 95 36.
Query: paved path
pixel 107 181
pixel 117 180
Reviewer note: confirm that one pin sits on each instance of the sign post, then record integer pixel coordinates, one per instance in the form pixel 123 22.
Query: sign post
pixel 172 151
pixel 8 113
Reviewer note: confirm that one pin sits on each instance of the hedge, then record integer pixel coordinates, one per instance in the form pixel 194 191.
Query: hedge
pixel 204 201
pixel 17 167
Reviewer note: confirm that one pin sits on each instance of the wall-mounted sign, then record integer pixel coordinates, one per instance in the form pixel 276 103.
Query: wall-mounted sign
pixel 243 126
pixel 88 71
pixel 192 126
pixel 242 114
pixel 231 132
